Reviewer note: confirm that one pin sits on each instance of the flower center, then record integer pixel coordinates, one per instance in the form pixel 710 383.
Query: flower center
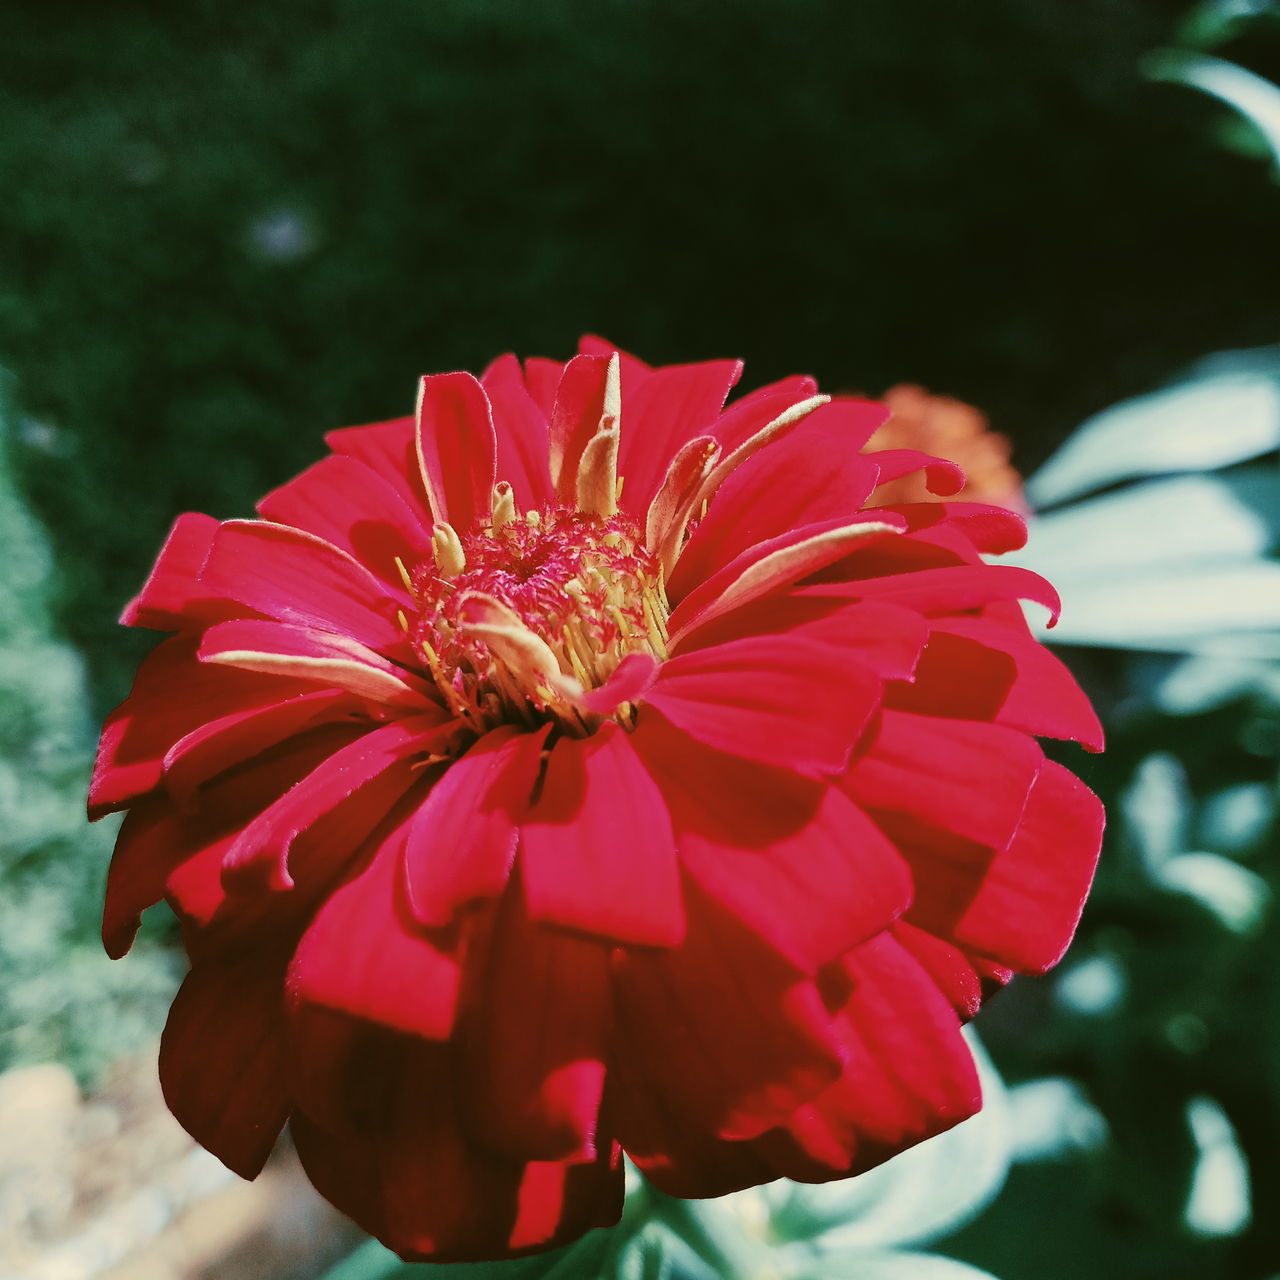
pixel 519 618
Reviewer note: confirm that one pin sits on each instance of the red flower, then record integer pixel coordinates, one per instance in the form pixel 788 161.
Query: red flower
pixel 517 816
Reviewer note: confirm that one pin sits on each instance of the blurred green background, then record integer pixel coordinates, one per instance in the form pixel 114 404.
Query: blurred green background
pixel 226 229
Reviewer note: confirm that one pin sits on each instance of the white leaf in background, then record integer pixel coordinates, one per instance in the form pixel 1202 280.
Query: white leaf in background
pixel 1234 818
pixel 891 1265
pixel 1229 609
pixel 1157 809
pixel 1184 520
pixel 1051 1118
pixel 1202 684
pixel 1203 424
pixel 1091 987
pixel 1256 99
pixel 1231 892
pixel 1219 1200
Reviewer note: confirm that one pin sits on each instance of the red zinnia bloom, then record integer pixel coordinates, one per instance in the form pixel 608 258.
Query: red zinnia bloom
pixel 517 817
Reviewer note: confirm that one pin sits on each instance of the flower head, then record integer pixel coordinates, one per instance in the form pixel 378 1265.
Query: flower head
pixel 582 766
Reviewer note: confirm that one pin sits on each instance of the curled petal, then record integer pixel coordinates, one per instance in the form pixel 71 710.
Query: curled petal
pixel 259 858
pixel 941 476
pixel 298 578
pixel 347 503
pixel 223 1059
pixel 309 655
pixel 173 594
pixel 457 447
pixel 579 407
pixel 770 565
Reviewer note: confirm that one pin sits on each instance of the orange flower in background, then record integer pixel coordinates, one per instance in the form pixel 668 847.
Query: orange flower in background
pixel 950 429
pixel 587 765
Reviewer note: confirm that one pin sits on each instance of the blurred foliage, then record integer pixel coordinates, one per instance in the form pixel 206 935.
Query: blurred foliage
pixel 227 229
pixel 61 998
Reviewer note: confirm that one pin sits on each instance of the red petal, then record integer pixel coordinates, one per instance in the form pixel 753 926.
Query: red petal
pixel 1023 905
pixel 298 578
pixel 941 476
pixel 770 566
pixel 242 736
pixel 758 697
pixel 151 719
pixel 884 637
pixel 534 1040
pixel 575 418
pixel 522 433
pixel 958 588
pixel 348 504
pixel 752 412
pixel 664 410
pixel 813 474
pixel 389 449
pixel 791 858
pixel 631 679
pixel 908 1076
pixel 364 955
pixel 199 840
pixel 222 1057
pixel 411 1176
pixel 591 344
pixel 260 856
pixel 953 972
pixel 679 1158
pixel 147 849
pixel 597 849
pixel 1035 691
pixel 542 377
pixel 309 655
pixel 971 526
pixel 931 779
pixel 457 448
pixel 721 1028
pixel 173 594
pixel 463 837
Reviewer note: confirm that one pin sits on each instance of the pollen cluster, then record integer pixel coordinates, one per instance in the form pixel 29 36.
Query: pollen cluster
pixel 520 615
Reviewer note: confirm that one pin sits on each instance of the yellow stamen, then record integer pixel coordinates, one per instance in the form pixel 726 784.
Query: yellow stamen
pixel 502 505
pixel 446 547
